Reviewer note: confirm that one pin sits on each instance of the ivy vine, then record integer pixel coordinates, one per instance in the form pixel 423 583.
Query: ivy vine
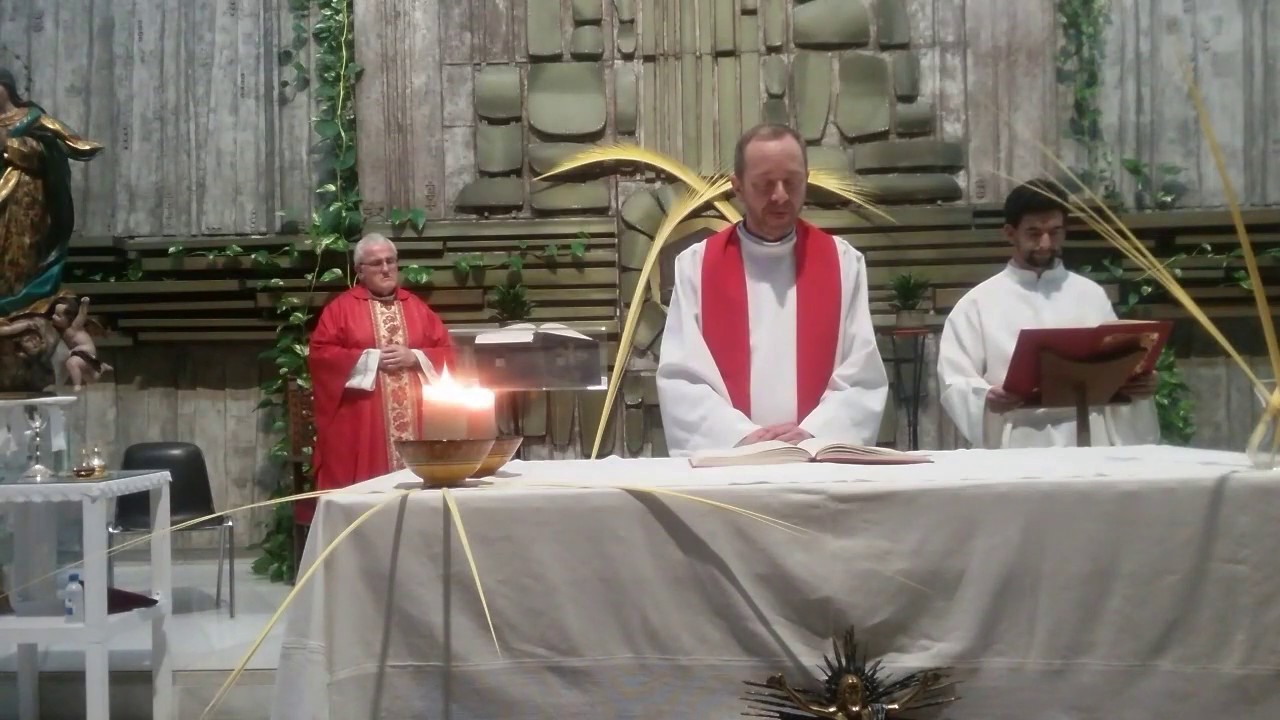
pixel 1175 402
pixel 1081 55
pixel 335 224
pixel 1083 25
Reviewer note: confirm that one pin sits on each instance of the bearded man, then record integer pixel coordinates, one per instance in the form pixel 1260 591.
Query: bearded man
pixel 1033 291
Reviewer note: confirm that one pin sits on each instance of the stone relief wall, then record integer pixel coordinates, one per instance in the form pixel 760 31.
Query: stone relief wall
pixel 685 78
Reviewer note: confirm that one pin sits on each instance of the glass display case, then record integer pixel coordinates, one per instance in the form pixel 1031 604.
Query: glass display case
pixel 35 444
pixel 35 448
pixel 527 356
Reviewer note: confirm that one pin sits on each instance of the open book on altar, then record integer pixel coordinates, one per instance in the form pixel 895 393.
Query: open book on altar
pixel 776 452
pixel 528 356
pixel 1098 344
pixel 528 334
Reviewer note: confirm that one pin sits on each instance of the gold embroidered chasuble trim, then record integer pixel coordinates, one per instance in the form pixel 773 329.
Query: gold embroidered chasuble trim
pixel 401 394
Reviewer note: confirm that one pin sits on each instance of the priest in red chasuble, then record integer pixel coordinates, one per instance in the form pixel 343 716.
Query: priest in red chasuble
pixel 769 333
pixel 369 355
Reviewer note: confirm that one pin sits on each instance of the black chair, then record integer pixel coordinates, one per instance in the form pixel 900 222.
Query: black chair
pixel 190 497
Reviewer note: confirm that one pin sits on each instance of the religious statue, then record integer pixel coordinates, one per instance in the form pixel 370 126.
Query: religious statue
pixel 851 691
pixel 36 220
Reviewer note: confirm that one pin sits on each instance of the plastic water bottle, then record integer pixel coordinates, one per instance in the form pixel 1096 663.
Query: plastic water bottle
pixel 73 599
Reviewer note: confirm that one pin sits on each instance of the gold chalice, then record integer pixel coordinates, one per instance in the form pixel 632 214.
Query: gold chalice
pixel 504 448
pixel 443 463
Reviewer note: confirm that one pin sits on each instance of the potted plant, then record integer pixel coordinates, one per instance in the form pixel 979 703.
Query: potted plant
pixel 510 304
pixel 909 292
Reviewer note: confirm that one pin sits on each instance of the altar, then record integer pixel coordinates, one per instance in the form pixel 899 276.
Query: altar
pixel 1125 582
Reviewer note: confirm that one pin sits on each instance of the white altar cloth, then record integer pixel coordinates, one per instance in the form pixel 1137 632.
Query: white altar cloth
pixel 1060 583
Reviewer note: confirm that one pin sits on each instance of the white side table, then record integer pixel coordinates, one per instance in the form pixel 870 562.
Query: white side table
pixel 98 627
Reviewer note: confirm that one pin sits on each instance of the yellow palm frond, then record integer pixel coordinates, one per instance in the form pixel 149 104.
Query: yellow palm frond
pixel 847 188
pixel 1237 218
pixel 471 562
pixel 689 202
pixel 297 588
pixel 628 153
pixel 1271 410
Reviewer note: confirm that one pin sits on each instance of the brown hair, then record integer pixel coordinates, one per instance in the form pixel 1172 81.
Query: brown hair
pixel 764 131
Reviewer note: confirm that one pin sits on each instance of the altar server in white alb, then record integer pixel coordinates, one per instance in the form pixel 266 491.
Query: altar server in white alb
pixel 1034 290
pixel 768 333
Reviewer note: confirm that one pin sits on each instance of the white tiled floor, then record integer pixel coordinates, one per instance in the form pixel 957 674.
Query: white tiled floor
pixel 201 636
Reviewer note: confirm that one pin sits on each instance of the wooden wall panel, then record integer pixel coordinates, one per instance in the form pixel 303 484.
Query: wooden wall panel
pixel 202 394
pixel 186 98
pixel 202 140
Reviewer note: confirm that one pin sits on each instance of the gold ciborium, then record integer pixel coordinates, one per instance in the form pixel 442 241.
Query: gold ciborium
pixel 504 448
pixel 443 463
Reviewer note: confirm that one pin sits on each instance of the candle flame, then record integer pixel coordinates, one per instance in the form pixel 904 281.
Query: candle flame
pixel 446 390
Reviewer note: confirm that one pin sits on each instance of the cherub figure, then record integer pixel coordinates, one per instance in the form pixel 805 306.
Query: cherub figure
pixel 29 341
pixel 68 318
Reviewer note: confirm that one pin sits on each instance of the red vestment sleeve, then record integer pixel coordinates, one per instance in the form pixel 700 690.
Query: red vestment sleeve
pixel 331 358
pixel 350 442
pixel 427 332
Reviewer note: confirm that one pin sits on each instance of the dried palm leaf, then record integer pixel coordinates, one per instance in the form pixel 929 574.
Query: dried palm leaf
pixel 175 528
pixel 847 188
pixel 686 204
pixel 302 582
pixel 627 153
pixel 471 561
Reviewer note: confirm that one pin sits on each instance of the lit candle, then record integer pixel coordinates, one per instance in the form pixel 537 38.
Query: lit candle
pixel 451 411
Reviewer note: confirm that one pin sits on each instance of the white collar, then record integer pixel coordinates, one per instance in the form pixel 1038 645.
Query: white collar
pixel 754 245
pixel 1030 279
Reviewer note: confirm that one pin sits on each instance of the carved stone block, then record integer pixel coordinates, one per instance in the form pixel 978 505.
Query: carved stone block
pixel 567 99
pixel 498 92
pixel 866 95
pixel 831 24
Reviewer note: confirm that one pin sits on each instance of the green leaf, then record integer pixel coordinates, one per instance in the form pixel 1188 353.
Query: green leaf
pixel 346 160
pixel 261 565
pixel 396 216
pixel 327 129
pixel 332 274
pixel 416 275
pixel 577 248
pixel 418 218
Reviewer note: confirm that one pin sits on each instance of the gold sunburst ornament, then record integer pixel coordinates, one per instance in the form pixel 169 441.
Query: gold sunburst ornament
pixel 698 192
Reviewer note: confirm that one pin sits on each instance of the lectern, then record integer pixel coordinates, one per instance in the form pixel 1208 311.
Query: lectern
pixel 1083 367
pixel 1084 384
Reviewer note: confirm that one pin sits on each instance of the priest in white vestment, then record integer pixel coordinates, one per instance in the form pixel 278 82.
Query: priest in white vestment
pixel 768 333
pixel 1033 291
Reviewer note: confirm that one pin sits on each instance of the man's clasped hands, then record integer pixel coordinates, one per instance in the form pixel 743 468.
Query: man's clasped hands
pixel 786 432
pixel 396 357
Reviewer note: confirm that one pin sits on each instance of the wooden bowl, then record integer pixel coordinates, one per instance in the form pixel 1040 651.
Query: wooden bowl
pixel 504 448
pixel 443 463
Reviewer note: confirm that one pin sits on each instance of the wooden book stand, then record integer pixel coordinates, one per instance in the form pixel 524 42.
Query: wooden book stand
pixel 1084 384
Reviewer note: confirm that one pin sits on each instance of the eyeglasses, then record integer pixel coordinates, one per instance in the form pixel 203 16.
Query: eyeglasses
pixel 385 262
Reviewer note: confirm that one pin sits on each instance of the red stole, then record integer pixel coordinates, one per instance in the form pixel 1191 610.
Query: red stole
pixel 726 325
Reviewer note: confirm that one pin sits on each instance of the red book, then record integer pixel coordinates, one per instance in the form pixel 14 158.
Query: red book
pixel 1083 344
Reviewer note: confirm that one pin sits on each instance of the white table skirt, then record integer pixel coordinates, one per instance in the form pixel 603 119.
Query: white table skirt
pixel 1119 582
